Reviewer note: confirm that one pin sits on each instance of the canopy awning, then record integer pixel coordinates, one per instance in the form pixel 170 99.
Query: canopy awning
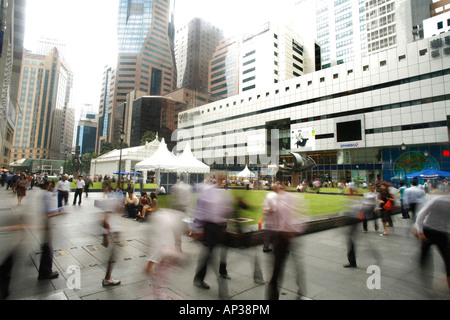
pixel 429 174
pixel 190 164
pixel 246 173
pixel 162 160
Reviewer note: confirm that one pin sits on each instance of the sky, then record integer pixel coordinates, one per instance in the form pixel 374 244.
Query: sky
pixel 89 29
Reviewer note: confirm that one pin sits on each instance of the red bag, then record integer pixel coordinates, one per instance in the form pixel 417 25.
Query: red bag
pixel 388 206
pixel 361 215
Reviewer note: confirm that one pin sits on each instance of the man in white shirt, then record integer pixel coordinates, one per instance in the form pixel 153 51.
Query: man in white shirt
pixel 160 190
pixel 79 190
pixel 413 198
pixel 63 189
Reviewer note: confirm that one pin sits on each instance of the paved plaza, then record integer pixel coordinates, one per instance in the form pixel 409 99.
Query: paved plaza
pixel 77 244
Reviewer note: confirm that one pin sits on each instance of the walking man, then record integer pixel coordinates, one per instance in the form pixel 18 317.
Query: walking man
pixel 88 184
pixel 79 190
pixel 63 188
pixel 413 198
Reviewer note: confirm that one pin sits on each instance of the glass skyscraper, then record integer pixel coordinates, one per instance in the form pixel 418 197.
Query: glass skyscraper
pixel 133 24
pixel 145 62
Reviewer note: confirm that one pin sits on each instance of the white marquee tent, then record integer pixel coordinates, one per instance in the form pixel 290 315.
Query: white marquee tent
pixel 246 173
pixel 162 159
pixel 191 164
pixel 167 166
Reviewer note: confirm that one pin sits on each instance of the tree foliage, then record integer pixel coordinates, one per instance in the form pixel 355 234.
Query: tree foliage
pixel 148 136
pixel 110 146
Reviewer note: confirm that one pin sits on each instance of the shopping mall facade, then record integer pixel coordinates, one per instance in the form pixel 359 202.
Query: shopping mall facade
pixel 388 114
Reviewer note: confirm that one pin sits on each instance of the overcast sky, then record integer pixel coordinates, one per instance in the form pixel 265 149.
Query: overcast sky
pixel 89 29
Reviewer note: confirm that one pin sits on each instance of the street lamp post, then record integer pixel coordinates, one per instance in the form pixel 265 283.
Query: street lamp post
pixel 65 160
pixel 122 136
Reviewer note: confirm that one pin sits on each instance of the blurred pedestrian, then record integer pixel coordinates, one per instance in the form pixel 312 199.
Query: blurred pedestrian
pixel 181 201
pixel 414 198
pixel 63 189
pixel 46 261
pixel 368 207
pixel 386 200
pixel 21 187
pixel 356 212
pixel 401 190
pixel 288 223
pixel 214 207
pixel 432 228
pixel 12 234
pixel 111 206
pixel 88 184
pixel 269 213
pixel 167 226
pixel 80 184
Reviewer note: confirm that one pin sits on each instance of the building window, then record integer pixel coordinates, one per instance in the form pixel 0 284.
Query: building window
pixel 440 25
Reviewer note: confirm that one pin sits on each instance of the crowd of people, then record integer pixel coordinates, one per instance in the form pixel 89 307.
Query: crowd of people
pixel 284 216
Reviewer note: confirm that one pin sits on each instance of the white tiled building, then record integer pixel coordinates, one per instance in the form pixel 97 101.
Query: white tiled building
pixel 361 112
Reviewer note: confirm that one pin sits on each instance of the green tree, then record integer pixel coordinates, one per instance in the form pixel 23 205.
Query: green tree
pixel 110 146
pixel 148 136
pixel 68 166
pixel 86 162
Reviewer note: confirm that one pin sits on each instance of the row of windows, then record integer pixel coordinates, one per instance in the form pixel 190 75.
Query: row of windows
pixel 347 93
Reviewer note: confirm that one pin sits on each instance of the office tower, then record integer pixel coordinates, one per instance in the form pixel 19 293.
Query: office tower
pixel 224 69
pixel 12 16
pixel 158 114
pixel 390 22
pixel 105 108
pixel 86 133
pixel 349 29
pixel 268 54
pixel 44 125
pixel 45 46
pixel 262 56
pixel 145 61
pixel 195 44
pixel 338 26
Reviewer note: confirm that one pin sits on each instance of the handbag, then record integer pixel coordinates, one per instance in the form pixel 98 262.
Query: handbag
pixel 388 206
pixel 361 215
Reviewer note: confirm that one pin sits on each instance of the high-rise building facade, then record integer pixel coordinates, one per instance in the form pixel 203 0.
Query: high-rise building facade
pixel 262 56
pixel 45 122
pixel 46 44
pixel 86 133
pixel 349 29
pixel 224 69
pixel 439 6
pixel 262 67
pixel 339 27
pixel 145 61
pixel 105 108
pixel 195 44
pixel 12 15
